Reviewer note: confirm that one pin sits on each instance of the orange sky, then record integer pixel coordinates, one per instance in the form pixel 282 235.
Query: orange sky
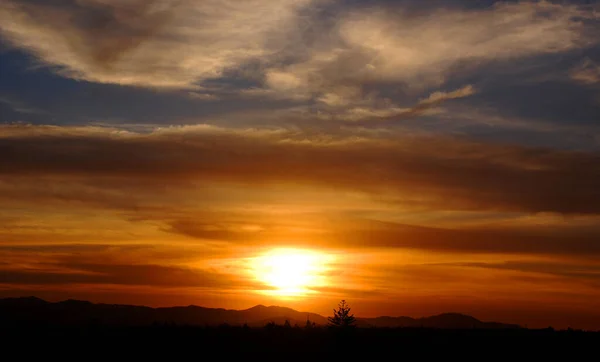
pixel 193 230
pixel 412 157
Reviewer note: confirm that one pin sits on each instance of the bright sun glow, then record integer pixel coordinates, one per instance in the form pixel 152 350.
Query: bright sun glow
pixel 292 272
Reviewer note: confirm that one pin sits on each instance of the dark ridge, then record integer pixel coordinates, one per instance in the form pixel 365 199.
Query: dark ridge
pixel 77 312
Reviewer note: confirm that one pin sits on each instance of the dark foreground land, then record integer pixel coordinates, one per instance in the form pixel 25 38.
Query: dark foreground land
pixel 37 330
pixel 280 343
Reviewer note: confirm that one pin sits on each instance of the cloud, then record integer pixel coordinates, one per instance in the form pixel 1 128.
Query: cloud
pixel 387 44
pixel 400 45
pixel 355 232
pixel 489 240
pixel 221 230
pixel 346 105
pixel 19 106
pixel 438 97
pixel 299 51
pixel 588 72
pixel 346 292
pixel 563 269
pixel 203 96
pixel 68 270
pixel 171 43
pixel 430 171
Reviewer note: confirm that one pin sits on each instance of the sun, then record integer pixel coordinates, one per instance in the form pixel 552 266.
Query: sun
pixel 291 272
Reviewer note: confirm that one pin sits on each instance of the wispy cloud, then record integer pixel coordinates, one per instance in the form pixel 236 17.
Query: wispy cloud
pixel 387 44
pixel 178 44
pixel 403 46
pixel 19 106
pixel 439 97
pixel 148 43
pixel 588 72
pixel 580 271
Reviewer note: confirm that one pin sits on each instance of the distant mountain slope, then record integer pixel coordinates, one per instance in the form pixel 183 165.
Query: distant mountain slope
pixel 74 312
pixel 446 320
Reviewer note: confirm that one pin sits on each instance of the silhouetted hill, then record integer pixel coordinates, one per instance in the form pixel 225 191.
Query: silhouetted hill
pixel 74 312
pixel 446 320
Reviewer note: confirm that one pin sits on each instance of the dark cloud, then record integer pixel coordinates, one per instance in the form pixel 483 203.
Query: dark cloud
pixel 222 231
pixel 69 248
pixel 563 269
pixel 436 172
pixel 360 233
pixel 122 274
pixel 489 240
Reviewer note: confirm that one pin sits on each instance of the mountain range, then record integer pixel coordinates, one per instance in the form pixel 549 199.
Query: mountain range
pixel 76 312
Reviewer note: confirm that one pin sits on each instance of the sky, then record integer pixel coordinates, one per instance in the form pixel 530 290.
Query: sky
pixel 411 157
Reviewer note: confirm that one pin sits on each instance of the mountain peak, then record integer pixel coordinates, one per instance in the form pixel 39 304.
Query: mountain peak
pixel 76 302
pixel 262 307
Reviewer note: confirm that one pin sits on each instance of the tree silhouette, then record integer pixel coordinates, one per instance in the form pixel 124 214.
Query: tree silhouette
pixel 342 317
pixel 309 324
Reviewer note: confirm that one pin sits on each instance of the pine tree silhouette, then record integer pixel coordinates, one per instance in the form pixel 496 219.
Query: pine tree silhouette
pixel 308 324
pixel 342 317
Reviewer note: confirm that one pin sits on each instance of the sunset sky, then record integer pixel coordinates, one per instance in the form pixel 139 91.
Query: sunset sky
pixel 412 157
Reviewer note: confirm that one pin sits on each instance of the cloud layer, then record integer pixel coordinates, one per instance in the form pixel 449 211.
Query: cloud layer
pixel 291 49
pixel 436 172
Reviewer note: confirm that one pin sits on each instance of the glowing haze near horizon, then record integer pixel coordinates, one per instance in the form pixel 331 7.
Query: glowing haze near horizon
pixel 411 157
